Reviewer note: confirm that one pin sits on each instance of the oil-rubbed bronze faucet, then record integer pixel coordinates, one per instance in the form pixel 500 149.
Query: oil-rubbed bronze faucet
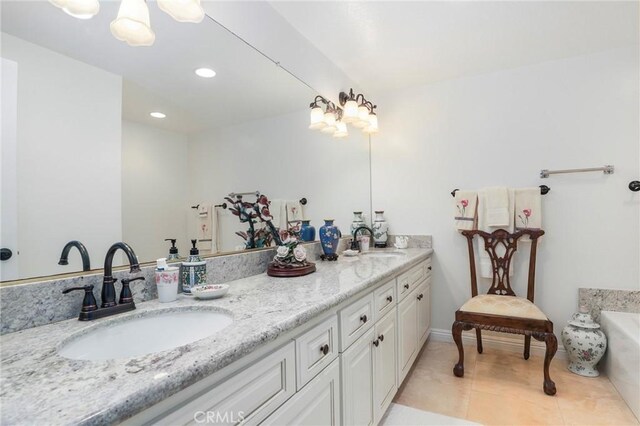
pixel 90 310
pixel 64 257
pixel 355 244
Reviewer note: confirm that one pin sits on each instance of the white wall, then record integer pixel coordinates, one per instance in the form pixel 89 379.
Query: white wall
pixel 502 128
pixel 56 160
pixel 283 159
pixel 154 190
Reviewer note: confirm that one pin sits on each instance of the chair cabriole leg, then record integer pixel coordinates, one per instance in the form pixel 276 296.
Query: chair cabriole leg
pixel 456 331
pixel 527 346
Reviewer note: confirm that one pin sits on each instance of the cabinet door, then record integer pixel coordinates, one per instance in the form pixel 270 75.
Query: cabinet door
pixel 318 403
pixel 423 301
pixel 384 364
pixel 357 381
pixel 407 335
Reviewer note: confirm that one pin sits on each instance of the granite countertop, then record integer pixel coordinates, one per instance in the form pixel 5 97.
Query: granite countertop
pixel 40 386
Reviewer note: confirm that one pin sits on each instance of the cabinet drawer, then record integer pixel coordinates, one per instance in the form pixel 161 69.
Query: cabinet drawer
pixel 317 404
pixel 355 319
pixel 410 279
pixel 315 349
pixel 247 397
pixel 384 299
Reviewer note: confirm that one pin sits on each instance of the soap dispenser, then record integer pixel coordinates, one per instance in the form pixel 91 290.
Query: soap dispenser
pixel 194 270
pixel 173 251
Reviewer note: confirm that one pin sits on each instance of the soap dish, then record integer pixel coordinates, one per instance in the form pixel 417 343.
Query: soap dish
pixel 350 253
pixel 209 291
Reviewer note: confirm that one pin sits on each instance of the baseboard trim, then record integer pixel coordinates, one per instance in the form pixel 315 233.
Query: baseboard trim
pixel 496 340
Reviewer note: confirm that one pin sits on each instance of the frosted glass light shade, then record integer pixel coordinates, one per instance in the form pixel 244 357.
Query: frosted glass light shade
pixel 81 9
pixel 350 113
pixel 183 10
pixel 329 129
pixel 373 124
pixel 341 130
pixel 330 119
pixel 360 124
pixel 363 113
pixel 316 118
pixel 132 24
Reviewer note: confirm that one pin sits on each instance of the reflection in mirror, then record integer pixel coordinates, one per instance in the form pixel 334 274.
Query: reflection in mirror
pixel 84 158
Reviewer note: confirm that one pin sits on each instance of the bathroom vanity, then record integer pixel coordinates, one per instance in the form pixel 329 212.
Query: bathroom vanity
pixel 329 348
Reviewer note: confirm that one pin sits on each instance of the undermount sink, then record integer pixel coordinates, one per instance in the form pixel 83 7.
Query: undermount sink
pixel 144 335
pixel 383 253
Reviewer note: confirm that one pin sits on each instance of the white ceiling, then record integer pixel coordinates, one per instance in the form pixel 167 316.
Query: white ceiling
pixel 385 45
pixel 161 78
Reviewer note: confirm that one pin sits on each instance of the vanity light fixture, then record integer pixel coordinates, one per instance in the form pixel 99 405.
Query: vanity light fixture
pixel 132 23
pixel 333 120
pixel 157 114
pixel 81 9
pixel 205 72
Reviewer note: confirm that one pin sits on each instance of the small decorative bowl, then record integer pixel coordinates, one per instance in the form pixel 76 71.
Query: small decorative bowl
pixel 209 291
pixel 350 253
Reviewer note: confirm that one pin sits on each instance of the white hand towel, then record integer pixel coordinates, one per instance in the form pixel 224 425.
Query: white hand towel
pixel 278 210
pixel 528 209
pixel 294 211
pixel 483 225
pixel 497 206
pixel 465 209
pixel 214 230
pixel 205 212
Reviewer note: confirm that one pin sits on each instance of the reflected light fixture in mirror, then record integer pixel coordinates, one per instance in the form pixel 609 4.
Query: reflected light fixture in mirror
pixel 81 9
pixel 157 114
pixel 355 110
pixel 205 72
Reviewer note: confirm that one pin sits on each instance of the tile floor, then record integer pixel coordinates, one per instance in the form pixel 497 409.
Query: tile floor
pixel 501 388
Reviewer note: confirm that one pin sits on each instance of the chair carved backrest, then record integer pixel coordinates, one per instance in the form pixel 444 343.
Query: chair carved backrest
pixel 501 246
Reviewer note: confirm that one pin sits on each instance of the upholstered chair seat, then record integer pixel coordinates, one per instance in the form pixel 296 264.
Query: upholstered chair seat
pixel 506 306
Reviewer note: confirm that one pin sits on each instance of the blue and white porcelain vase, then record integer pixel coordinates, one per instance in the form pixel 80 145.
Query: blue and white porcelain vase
pixel 307 231
pixel 380 230
pixel 329 238
pixel 585 344
pixel 358 221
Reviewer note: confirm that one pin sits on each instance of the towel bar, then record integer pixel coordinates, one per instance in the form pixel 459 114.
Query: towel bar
pixel 607 170
pixel 544 190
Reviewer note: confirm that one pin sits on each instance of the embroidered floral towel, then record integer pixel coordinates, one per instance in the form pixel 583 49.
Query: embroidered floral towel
pixel 465 203
pixel 528 209
pixel 205 229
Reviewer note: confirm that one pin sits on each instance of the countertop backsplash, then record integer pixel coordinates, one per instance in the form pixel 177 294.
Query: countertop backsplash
pixel 42 302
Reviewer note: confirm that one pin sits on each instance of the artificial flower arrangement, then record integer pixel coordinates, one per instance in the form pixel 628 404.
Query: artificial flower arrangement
pixel 291 257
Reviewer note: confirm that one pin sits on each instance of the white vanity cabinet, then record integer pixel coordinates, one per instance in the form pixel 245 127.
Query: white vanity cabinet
pixel 318 403
pixel 384 364
pixel 342 369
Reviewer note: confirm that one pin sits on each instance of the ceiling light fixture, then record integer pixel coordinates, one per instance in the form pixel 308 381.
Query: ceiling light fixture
pixel 333 120
pixel 132 24
pixel 205 72
pixel 81 9
pixel 157 114
pixel 183 10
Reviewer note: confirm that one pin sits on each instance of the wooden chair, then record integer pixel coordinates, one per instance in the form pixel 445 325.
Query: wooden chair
pixel 500 309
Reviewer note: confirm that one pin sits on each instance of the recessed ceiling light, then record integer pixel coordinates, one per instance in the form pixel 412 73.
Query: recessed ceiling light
pixel 205 72
pixel 157 115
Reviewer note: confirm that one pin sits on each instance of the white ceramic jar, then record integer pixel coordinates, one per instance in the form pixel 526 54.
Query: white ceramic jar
pixel 585 344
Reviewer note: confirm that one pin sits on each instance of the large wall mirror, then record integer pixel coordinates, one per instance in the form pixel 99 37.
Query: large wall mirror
pixel 83 159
